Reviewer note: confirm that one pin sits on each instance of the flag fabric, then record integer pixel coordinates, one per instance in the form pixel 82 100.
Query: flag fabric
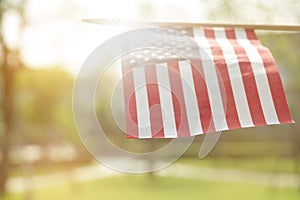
pixel 221 79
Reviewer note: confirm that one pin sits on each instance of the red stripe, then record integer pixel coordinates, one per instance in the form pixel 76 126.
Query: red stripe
pixel 154 102
pixel 130 103
pixel 224 80
pixel 274 80
pixel 178 100
pixel 255 107
pixel 202 97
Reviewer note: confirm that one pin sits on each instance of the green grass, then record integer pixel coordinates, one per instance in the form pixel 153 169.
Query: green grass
pixel 145 187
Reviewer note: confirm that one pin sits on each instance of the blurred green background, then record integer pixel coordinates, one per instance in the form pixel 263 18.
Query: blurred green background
pixel 44 43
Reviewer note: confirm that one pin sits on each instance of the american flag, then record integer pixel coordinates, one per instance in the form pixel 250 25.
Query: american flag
pixel 190 81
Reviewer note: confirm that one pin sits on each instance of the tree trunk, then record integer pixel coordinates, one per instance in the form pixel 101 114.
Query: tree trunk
pixel 7 108
pixel 7 87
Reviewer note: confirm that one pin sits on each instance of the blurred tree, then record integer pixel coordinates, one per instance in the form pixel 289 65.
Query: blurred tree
pixel 10 62
pixel 262 12
pixel 43 97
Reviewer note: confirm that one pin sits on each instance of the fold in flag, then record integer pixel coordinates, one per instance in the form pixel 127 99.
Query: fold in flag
pixel 200 80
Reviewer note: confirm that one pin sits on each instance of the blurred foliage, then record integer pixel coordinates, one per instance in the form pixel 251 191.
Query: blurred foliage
pixel 262 12
pixel 44 97
pixel 285 49
pixel 41 93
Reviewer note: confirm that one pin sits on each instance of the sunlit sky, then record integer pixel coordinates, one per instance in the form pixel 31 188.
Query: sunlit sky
pixel 56 36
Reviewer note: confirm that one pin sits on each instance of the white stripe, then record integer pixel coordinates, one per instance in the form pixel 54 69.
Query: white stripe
pixel 260 77
pixel 211 80
pixel 236 80
pixel 142 105
pixel 190 98
pixel 166 101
